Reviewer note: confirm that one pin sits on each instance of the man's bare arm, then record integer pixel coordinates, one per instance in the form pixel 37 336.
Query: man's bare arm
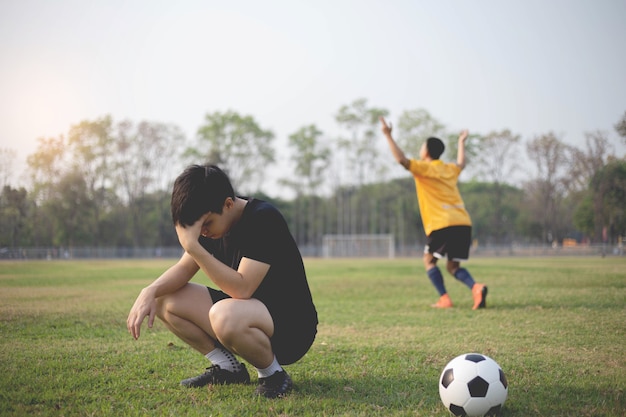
pixel 460 156
pixel 397 153
pixel 240 283
pixel 170 281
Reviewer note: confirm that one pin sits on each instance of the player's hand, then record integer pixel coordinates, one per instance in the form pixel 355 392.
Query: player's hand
pixel 145 306
pixel 189 235
pixel 385 128
pixel 463 136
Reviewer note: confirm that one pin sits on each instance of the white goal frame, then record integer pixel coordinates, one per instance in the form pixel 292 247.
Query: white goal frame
pixel 358 246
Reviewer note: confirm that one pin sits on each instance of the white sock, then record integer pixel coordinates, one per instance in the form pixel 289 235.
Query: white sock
pixel 270 370
pixel 223 358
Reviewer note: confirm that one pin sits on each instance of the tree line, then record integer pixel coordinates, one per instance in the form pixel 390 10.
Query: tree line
pixel 107 183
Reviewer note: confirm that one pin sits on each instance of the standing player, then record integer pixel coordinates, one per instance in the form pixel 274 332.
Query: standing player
pixel 263 311
pixel 446 222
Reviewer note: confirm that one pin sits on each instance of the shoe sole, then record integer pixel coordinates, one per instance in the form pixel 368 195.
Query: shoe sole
pixel 483 298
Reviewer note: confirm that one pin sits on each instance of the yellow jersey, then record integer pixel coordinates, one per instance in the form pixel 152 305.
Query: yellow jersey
pixel 438 195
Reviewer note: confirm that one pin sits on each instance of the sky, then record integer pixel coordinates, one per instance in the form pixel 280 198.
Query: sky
pixel 531 66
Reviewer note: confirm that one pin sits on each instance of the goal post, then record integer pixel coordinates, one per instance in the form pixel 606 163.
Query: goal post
pixel 358 246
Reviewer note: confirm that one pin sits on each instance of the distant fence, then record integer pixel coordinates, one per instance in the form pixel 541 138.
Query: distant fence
pixel 581 250
pixel 525 250
pixel 308 251
pixel 358 246
pixel 90 253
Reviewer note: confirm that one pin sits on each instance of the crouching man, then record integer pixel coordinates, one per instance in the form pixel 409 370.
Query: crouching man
pixel 262 309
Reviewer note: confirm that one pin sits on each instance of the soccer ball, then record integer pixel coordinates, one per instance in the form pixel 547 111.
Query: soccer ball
pixel 473 385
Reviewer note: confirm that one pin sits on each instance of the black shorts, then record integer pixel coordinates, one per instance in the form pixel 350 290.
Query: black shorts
pixel 452 242
pixel 291 340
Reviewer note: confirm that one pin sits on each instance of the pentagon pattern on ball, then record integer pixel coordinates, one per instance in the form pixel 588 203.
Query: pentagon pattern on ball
pixel 478 387
pixel 505 383
pixel 456 410
pixel 447 378
pixel 474 357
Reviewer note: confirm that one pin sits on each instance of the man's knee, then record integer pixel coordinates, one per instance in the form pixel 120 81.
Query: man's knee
pixel 230 318
pixel 225 320
pixel 452 267
pixel 429 260
pixel 166 310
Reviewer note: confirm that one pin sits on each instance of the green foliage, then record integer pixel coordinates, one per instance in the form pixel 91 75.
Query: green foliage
pixel 236 143
pixel 360 124
pixel 609 185
pixel 494 209
pixel 583 216
pixel 79 184
pixel 620 127
pixel 311 159
pixel 414 127
pixel 15 209
pixel 555 325
pixel 107 183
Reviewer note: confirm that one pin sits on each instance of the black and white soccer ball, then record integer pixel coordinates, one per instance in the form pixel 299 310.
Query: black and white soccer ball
pixel 473 385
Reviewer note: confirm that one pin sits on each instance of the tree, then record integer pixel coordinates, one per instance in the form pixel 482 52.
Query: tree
pixel 15 209
pixel 492 223
pixel 46 166
pixel 159 215
pixel 7 159
pixel 585 163
pixel 620 127
pixel 545 190
pixel 498 158
pixel 155 221
pixel 360 161
pixel 92 146
pixel 359 145
pixel 144 155
pixel 414 127
pixel 70 208
pixel 497 162
pixel 311 159
pixel 609 199
pixel 584 215
pixel 238 145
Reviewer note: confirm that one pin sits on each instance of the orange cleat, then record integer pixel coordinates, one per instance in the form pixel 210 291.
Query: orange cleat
pixel 479 292
pixel 444 302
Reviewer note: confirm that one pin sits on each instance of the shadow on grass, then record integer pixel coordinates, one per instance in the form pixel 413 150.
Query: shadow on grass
pixel 531 305
pixel 407 394
pixel 374 393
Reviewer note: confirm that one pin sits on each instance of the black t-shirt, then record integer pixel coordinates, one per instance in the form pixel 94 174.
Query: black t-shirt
pixel 262 234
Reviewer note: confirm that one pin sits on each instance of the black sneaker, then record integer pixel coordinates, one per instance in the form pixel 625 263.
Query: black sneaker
pixel 215 375
pixel 275 386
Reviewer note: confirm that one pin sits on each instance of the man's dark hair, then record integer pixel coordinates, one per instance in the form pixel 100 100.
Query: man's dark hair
pixel 435 147
pixel 198 190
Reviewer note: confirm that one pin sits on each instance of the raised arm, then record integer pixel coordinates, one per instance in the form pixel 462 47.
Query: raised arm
pixel 397 153
pixel 460 156
pixel 240 283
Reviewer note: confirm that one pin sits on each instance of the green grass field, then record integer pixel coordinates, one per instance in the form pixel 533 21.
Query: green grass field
pixel 557 327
